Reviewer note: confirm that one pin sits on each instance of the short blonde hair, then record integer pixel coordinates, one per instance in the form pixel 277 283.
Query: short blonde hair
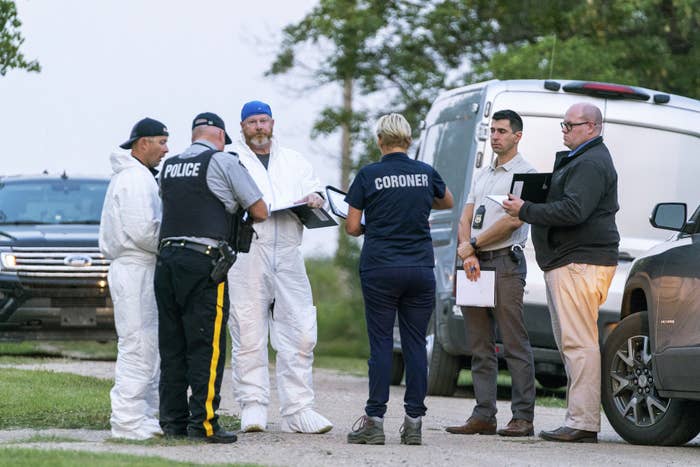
pixel 394 130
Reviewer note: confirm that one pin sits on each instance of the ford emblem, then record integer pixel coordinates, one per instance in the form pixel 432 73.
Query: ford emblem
pixel 78 261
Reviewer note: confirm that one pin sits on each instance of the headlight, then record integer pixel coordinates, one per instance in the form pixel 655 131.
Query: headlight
pixel 8 260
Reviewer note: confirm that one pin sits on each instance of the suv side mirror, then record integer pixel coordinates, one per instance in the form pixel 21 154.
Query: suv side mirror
pixel 669 216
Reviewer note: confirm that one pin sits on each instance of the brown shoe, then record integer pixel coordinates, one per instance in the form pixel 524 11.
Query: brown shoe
pixel 517 427
pixel 565 434
pixel 474 426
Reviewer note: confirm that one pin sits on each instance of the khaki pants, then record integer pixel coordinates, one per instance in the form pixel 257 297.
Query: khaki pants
pixel 575 292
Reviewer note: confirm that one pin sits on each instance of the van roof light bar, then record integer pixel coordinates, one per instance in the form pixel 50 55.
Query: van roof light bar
pixel 606 90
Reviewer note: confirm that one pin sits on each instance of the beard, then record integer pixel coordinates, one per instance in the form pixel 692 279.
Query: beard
pixel 258 140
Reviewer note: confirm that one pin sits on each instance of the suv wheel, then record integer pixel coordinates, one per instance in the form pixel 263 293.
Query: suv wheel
pixel 397 367
pixel 629 396
pixel 549 381
pixel 443 368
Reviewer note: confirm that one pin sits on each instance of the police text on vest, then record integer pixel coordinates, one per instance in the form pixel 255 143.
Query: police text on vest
pixel 182 169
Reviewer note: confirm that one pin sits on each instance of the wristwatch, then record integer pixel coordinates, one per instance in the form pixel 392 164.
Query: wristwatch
pixel 472 242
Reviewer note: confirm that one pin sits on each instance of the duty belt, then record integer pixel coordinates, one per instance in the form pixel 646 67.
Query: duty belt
pixel 491 254
pixel 194 246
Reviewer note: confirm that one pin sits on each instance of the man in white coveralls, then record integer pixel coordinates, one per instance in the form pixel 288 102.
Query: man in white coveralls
pixel 269 286
pixel 129 232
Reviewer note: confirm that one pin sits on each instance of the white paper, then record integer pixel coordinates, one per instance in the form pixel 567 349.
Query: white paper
pixel 498 199
pixel 480 293
pixel 338 205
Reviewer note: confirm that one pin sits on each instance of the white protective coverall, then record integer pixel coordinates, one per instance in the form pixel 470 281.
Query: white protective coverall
pixel 274 272
pixel 129 232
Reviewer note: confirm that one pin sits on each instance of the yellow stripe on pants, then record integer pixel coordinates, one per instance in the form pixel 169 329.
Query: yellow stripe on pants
pixel 214 358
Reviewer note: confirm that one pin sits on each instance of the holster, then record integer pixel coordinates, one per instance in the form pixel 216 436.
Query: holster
pixel 222 265
pixel 242 232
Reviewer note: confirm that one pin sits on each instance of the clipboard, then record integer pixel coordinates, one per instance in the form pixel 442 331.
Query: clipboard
pixel 481 293
pixel 532 187
pixel 312 218
pixel 336 201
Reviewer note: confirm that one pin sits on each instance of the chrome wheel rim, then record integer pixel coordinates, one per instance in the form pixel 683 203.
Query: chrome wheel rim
pixel 633 389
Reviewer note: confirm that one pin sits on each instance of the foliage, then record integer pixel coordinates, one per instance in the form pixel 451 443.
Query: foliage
pixel 342 331
pixel 11 40
pixel 401 53
pixel 650 43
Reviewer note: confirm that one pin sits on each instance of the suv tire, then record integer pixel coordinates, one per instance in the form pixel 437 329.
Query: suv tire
pixel 397 367
pixel 656 421
pixel 443 368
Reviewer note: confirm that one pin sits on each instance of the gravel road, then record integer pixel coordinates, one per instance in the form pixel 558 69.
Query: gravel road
pixel 340 397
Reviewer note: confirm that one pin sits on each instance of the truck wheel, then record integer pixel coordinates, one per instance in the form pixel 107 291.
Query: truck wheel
pixel 629 395
pixel 548 381
pixel 397 366
pixel 443 369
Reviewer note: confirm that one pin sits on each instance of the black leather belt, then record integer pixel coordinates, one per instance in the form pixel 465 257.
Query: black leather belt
pixel 491 254
pixel 198 247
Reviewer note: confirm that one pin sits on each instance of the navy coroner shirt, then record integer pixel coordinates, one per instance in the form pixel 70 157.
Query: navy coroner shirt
pixel 396 195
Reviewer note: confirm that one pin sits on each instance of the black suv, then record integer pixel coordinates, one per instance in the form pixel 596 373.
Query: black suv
pixel 651 360
pixel 53 278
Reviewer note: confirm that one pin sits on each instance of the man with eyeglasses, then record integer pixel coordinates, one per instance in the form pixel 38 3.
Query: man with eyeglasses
pixel 576 244
pixel 490 238
pixel 270 289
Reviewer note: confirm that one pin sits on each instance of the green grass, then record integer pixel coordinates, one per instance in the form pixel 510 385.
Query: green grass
pixel 48 439
pixel 22 457
pixel 351 365
pixel 14 352
pixel 46 399
pixel 342 331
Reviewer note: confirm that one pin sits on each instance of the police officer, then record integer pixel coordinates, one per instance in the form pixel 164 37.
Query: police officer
pixel 396 271
pixel 201 189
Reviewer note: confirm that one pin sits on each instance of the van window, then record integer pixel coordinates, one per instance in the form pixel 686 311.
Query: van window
pixel 653 166
pixel 448 143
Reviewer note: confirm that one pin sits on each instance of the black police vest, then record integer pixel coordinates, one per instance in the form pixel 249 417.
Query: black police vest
pixel 190 209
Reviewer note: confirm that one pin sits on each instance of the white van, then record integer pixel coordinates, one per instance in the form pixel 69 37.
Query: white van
pixel 654 140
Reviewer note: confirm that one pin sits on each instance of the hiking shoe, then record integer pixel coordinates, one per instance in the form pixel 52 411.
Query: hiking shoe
pixel 367 430
pixel 411 431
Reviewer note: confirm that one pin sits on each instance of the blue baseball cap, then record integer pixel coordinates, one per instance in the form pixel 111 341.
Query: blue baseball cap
pixel 255 108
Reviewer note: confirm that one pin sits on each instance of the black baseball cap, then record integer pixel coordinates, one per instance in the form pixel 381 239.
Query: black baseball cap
pixel 145 127
pixel 210 119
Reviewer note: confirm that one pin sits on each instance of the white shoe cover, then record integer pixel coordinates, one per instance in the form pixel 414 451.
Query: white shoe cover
pixel 253 418
pixel 306 421
pixel 148 431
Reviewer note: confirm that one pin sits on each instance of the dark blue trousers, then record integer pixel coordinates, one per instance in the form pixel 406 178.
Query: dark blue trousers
pixel 410 292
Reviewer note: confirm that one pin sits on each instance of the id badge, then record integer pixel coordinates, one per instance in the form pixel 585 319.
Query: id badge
pixel 479 217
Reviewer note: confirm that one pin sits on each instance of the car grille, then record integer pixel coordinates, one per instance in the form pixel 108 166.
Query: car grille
pixel 56 262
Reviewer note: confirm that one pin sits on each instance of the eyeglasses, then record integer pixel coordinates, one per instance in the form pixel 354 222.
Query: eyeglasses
pixel 568 126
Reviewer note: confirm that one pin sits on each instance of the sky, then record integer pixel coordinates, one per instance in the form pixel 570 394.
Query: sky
pixel 108 63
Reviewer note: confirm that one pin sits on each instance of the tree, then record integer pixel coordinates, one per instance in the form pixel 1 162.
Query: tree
pixel 11 40
pixel 399 54
pixel 354 36
pixel 650 43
